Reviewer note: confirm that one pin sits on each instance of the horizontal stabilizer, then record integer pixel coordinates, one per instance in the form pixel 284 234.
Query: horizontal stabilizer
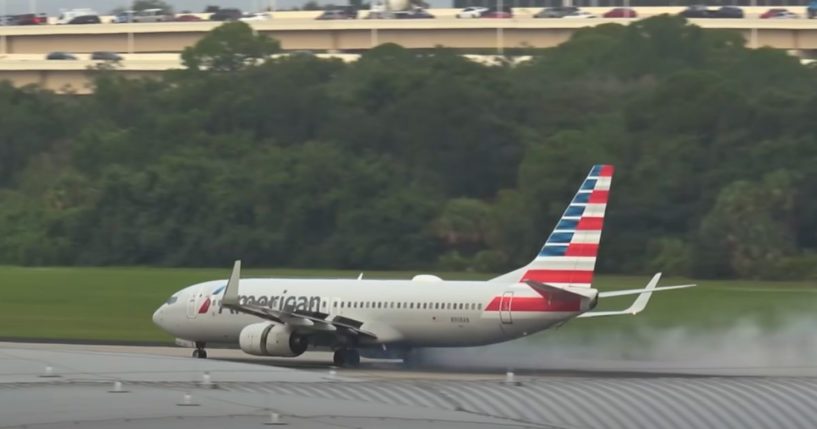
pixel 545 289
pixel 640 303
pixel 613 293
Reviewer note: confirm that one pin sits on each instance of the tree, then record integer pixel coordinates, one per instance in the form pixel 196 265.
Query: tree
pixel 749 230
pixel 230 47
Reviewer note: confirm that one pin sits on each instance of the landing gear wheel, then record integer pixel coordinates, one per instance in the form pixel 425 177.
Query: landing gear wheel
pixel 339 358
pixel 353 358
pixel 346 358
pixel 200 353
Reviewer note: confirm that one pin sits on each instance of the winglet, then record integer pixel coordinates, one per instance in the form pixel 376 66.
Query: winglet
pixel 643 298
pixel 231 293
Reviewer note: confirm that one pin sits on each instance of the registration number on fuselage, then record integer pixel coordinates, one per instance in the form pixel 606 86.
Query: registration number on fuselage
pixel 460 320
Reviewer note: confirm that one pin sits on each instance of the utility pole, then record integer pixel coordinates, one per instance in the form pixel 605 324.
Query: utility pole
pixel 500 34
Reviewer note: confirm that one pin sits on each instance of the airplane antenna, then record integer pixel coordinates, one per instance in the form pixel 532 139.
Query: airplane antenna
pixel 360 277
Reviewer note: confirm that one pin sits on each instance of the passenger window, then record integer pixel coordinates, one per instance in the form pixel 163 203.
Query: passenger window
pixel 479 306
pixel 335 304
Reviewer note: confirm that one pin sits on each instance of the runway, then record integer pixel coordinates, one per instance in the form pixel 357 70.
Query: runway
pixel 230 389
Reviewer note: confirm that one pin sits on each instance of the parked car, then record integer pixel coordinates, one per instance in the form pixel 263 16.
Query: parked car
pixel 412 14
pixel 87 19
pixel 226 15
pixel 621 12
pixel 701 11
pixel 729 12
pixel 556 12
pixel 472 12
pixel 123 17
pixel 697 11
pixel 493 12
pixel 152 15
pixel 67 16
pixel 59 55
pixel 779 13
pixel 340 13
pixel 258 16
pixel 105 56
pixel 29 19
pixel 579 15
pixel 811 10
pixel 188 18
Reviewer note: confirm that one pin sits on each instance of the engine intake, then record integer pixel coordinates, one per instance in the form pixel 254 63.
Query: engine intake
pixel 271 339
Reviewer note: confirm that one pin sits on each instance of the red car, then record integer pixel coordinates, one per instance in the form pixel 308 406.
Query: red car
pixel 778 13
pixel 620 12
pixel 29 19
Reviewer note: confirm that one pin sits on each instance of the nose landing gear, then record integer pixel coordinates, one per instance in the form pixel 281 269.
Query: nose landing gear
pixel 200 353
pixel 346 358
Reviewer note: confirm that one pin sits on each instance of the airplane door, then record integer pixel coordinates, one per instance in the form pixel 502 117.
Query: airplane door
pixel 193 301
pixel 505 308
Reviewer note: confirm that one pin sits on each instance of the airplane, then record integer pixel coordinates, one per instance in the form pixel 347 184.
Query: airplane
pixel 284 317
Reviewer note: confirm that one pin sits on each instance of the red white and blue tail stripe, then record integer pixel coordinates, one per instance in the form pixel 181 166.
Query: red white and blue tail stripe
pixel 568 258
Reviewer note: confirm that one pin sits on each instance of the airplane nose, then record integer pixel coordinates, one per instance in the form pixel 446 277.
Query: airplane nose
pixel 157 317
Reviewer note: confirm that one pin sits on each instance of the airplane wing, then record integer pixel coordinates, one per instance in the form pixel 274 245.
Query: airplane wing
pixel 640 302
pixel 305 320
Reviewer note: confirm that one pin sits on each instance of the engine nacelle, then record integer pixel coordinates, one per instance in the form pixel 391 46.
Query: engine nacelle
pixel 271 339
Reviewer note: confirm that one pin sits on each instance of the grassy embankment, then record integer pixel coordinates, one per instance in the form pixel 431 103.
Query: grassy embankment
pixel 117 303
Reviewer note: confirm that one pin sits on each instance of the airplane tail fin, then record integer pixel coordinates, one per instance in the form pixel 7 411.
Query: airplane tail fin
pixel 568 257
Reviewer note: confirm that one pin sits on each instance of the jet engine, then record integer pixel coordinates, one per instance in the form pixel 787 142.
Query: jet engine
pixel 271 339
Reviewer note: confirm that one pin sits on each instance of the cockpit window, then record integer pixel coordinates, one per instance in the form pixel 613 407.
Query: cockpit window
pixel 171 300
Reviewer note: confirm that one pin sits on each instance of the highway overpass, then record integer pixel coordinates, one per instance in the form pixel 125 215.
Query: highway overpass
pixel 155 47
pixel 357 35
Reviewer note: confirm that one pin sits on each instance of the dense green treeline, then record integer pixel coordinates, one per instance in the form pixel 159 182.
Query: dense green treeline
pixel 411 160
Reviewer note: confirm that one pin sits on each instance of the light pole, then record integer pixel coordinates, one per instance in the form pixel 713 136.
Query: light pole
pixel 500 34
pixel 3 41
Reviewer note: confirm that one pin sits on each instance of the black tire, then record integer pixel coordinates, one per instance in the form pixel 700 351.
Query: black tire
pixel 346 358
pixel 352 358
pixel 339 358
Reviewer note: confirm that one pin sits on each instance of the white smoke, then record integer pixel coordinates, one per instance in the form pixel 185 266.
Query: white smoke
pixel 746 347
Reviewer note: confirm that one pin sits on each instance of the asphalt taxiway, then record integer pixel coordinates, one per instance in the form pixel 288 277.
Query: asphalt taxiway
pixel 57 386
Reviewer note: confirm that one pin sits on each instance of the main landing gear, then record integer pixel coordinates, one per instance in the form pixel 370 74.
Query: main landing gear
pixel 200 353
pixel 347 358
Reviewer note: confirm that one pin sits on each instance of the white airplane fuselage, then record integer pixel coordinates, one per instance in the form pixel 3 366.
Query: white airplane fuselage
pixel 389 318
pixel 402 312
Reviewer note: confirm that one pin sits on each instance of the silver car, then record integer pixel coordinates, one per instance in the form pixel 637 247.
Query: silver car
pixel 152 15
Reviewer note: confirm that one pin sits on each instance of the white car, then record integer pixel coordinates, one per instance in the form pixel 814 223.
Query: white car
pixel 66 16
pixel 579 14
pixel 472 12
pixel 259 16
